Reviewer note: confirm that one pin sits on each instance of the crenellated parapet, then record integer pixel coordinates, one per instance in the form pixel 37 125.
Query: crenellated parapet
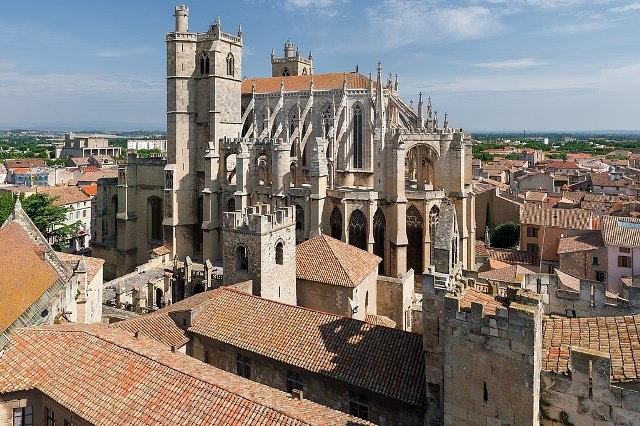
pixel 259 219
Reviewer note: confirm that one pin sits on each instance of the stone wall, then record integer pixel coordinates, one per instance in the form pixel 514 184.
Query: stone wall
pixel 581 263
pixel 317 388
pixel 37 401
pixel 394 299
pixel 502 209
pixel 492 363
pixel 590 301
pixel 587 396
pixel 324 297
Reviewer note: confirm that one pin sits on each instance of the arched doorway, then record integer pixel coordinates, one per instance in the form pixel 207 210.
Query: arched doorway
pixel 379 228
pixel 415 237
pixel 358 230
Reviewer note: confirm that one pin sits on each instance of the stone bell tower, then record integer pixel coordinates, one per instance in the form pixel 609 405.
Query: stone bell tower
pixel 259 245
pixel 203 105
pixel 292 63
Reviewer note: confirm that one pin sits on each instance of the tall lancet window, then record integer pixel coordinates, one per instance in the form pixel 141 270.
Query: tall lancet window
pixel 230 65
pixel 358 154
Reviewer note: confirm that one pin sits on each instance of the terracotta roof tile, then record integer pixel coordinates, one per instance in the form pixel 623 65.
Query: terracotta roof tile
pixel 108 377
pixel 389 361
pixel 302 82
pixel 620 231
pixel 591 240
pixel 534 214
pixel 472 295
pixel 481 248
pixel 511 274
pixel 161 326
pixel 25 162
pixel 24 274
pixel 327 260
pixel 514 256
pixel 617 336
pixel 64 195
pixel 605 179
pixel 93 263
pixel 380 320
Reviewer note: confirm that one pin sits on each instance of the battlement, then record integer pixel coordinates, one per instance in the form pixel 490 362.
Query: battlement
pixel 259 219
pixel 230 143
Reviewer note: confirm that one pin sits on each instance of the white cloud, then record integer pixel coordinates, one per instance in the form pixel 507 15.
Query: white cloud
pixel 323 7
pixel 627 7
pixel 511 64
pixel 396 23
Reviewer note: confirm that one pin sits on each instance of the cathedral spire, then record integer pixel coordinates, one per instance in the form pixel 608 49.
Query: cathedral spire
pixel 396 86
pixel 240 30
pixel 429 115
pixel 445 125
pixel 380 119
pixel 420 116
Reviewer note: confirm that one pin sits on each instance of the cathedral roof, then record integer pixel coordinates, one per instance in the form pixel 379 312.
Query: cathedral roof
pixel 296 83
pixel 380 359
pixel 108 376
pixel 21 286
pixel 327 260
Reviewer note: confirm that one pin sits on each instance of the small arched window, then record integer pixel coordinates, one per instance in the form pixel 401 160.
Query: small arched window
pixel 230 65
pixel 304 71
pixel 285 72
pixel 242 258
pixel 280 253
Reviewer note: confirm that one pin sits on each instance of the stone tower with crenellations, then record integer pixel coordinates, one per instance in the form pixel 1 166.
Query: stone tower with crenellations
pixel 260 246
pixel 203 106
pixel 292 63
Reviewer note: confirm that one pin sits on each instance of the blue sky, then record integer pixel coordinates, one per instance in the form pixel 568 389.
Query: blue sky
pixel 491 64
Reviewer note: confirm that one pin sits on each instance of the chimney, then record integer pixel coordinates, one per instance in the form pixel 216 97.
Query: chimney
pixel 297 394
pixel 173 348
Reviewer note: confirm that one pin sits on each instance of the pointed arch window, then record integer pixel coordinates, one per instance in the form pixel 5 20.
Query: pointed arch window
pixel 358 230
pixel 335 220
pixel 379 228
pixel 415 239
pixel 434 214
pixel 206 65
pixel 242 258
pixel 202 64
pixel 230 65
pixel 358 154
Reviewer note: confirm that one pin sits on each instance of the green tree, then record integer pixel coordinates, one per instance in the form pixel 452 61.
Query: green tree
pixel 505 235
pixel 489 220
pixel 49 219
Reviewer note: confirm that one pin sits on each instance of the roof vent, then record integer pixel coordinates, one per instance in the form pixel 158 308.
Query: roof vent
pixel 297 394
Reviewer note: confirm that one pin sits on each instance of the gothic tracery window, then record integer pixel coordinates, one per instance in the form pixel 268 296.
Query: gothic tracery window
pixel 434 214
pixel 415 237
pixel 358 154
pixel 358 230
pixel 379 228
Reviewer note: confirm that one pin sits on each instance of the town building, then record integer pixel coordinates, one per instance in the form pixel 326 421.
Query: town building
pixel 83 146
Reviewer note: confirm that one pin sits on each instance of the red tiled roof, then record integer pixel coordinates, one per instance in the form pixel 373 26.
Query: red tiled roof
pixel 511 274
pixel 64 195
pixel 161 326
pixel 621 231
pixel 514 256
pixel 617 336
pixel 383 360
pixel 327 260
pixel 562 165
pixel 591 240
pixel 24 274
pixel 25 162
pixel 481 248
pixel 534 214
pixel 605 180
pixel 303 82
pixel 472 295
pixel 380 320
pixel 108 377
pixel 91 189
pixel 93 263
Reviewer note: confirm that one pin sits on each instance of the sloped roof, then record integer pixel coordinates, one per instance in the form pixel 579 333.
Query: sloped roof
pixel 296 83
pixel 25 162
pixel 511 274
pixel 24 274
pixel 160 325
pixel 88 370
pixel 605 180
pixel 64 195
pixel 472 295
pixel 590 240
pixel 93 263
pixel 621 231
pixel 380 320
pixel 383 360
pixel 514 256
pixel 617 336
pixel 534 214
pixel 327 260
